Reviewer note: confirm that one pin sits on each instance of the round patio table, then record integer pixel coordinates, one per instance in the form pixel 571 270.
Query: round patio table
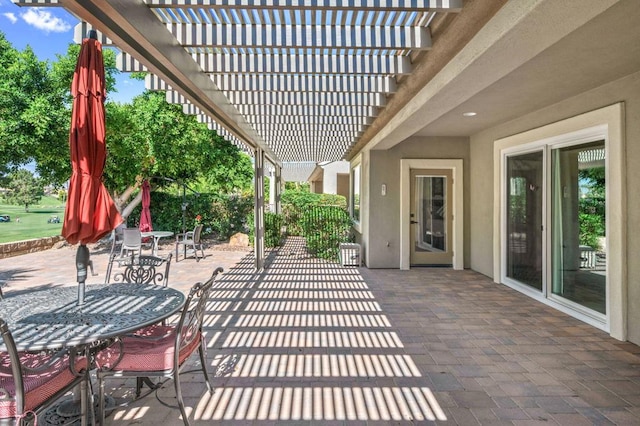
pixel 52 318
pixel 156 237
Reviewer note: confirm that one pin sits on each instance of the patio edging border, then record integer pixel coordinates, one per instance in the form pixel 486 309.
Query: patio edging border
pixel 17 248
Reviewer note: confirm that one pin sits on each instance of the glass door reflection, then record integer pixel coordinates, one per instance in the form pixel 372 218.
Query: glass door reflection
pixel 524 197
pixel 578 225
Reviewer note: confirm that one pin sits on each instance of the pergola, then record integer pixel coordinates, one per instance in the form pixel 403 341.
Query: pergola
pixel 294 82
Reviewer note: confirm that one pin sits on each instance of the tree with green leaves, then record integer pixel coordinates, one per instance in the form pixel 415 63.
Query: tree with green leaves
pixel 24 189
pixel 35 109
pixel 146 138
pixel 151 138
pixel 231 170
pixel 26 94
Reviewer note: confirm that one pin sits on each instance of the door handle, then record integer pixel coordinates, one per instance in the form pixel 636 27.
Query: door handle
pixel 413 221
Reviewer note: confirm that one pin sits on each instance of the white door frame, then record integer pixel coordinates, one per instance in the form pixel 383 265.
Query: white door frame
pixel 455 165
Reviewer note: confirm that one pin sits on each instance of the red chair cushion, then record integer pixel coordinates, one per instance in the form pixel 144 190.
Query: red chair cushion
pixel 151 349
pixel 38 387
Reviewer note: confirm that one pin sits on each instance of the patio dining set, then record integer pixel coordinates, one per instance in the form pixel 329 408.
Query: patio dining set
pixel 132 240
pixel 55 350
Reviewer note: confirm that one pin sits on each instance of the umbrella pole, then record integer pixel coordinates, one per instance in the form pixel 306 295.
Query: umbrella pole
pixel 184 208
pixel 82 264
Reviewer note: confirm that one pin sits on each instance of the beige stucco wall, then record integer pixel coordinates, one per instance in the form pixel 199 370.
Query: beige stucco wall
pixel 481 186
pixel 330 176
pixel 342 185
pixel 384 217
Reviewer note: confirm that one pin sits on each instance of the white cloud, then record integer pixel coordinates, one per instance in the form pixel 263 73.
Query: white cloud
pixel 11 16
pixel 45 21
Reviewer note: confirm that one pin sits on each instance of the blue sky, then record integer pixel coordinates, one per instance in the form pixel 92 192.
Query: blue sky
pixel 49 31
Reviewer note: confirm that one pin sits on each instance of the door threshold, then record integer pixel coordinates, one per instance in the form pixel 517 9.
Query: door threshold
pixel 433 266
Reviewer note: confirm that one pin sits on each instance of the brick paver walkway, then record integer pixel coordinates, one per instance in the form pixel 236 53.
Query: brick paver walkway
pixel 311 342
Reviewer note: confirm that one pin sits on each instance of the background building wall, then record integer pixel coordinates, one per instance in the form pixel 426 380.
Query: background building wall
pixel 330 179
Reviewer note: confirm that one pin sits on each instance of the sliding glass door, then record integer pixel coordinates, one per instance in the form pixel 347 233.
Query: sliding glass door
pixel 554 224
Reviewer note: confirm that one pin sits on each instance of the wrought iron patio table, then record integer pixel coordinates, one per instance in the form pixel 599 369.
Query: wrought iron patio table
pixel 51 319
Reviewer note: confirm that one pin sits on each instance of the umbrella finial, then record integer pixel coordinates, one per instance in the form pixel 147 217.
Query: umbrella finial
pixel 93 34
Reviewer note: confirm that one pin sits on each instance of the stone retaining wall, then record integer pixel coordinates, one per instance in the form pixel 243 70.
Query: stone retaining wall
pixel 28 246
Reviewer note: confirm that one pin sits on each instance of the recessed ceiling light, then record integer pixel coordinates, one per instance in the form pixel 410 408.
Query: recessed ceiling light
pixel 469 114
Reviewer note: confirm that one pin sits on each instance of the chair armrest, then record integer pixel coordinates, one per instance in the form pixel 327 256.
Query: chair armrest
pixel 184 236
pixel 146 338
pixel 32 363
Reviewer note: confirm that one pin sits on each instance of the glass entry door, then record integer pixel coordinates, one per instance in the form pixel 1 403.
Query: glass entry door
pixel 524 197
pixel 431 217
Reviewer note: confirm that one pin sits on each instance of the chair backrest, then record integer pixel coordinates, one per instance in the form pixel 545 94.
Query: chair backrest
pixel 190 324
pixel 196 233
pixel 131 238
pixel 116 237
pixel 40 373
pixel 15 370
pixel 143 269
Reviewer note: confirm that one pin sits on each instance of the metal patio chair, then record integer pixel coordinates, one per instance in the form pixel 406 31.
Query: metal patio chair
pixel 32 382
pixel 144 269
pixel 160 350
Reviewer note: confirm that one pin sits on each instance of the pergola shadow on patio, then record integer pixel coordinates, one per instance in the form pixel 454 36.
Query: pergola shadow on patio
pixel 308 341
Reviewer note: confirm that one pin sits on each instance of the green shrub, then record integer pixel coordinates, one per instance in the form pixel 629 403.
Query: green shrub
pixel 325 227
pixel 294 203
pixel 166 213
pixel 221 215
pixel 273 224
pixel 229 215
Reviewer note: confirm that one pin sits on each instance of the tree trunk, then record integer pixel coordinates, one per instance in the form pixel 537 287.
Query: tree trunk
pixel 126 211
pixel 121 201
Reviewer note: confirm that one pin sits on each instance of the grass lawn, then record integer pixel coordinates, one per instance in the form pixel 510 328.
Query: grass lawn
pixel 33 224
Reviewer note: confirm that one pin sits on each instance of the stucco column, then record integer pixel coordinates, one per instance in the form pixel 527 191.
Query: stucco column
pixel 278 189
pixel 258 220
pixel 272 191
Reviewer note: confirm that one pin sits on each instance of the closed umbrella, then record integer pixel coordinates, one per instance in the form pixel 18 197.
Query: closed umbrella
pixel 145 214
pixel 90 213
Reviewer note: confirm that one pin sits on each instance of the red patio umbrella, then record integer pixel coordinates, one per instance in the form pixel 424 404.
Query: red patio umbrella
pixel 145 214
pixel 90 213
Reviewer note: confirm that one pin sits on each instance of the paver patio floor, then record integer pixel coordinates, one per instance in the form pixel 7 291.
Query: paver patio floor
pixel 312 342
